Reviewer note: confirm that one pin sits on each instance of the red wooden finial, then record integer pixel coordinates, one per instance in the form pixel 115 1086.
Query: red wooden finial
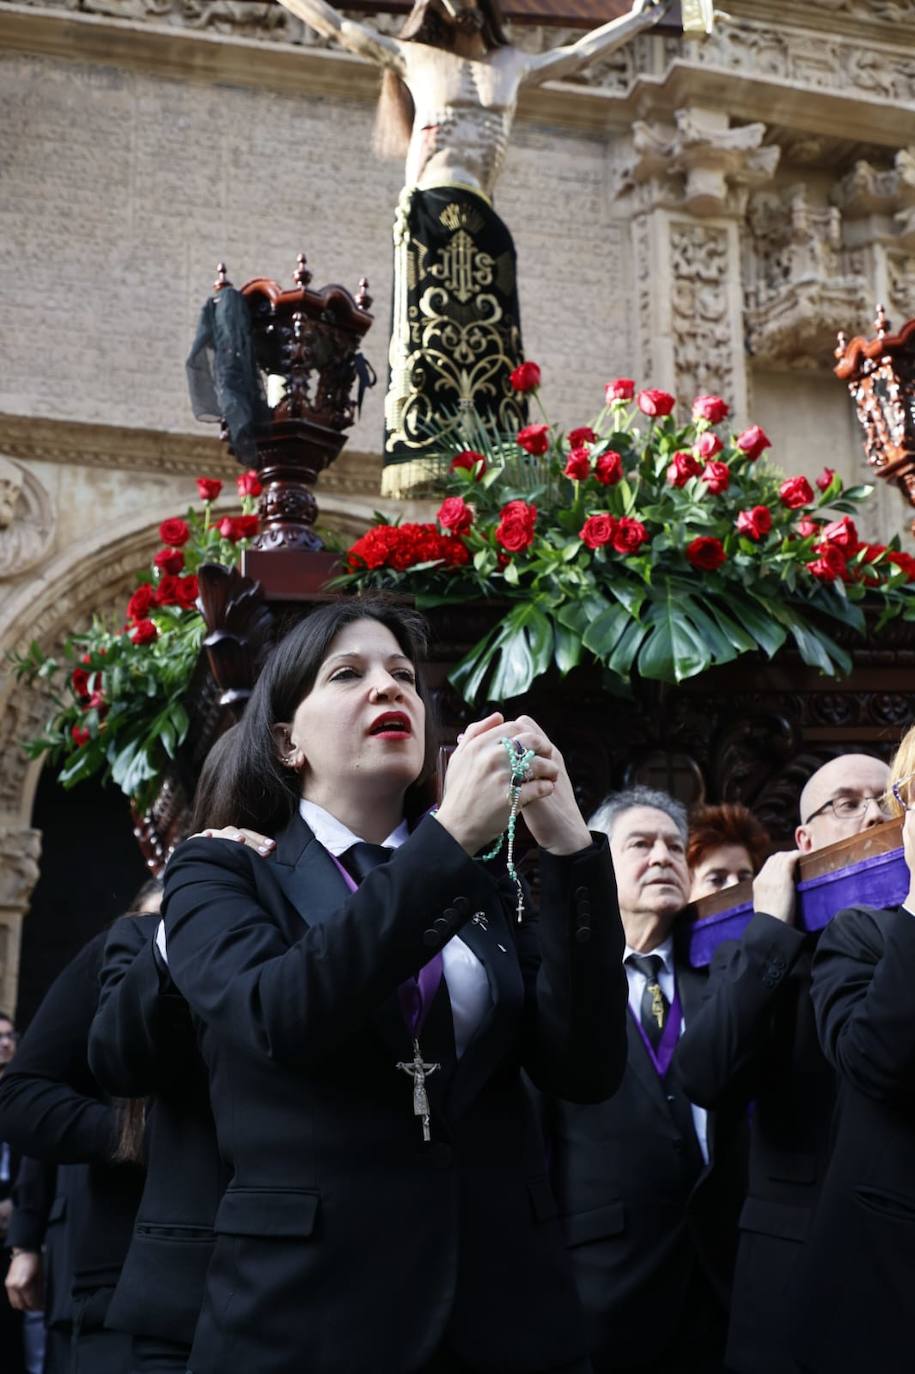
pixel 881 323
pixel 301 276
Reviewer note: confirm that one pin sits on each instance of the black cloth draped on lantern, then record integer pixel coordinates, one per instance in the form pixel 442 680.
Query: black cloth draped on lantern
pixel 223 377
pixel 456 328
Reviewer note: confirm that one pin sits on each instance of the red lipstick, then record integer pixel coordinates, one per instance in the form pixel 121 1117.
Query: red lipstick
pixel 391 725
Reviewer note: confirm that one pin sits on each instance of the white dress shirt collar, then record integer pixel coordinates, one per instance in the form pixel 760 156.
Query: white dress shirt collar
pixel 337 837
pixel 665 950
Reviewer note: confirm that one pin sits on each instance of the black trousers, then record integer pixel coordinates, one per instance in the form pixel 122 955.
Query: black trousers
pixel 150 1356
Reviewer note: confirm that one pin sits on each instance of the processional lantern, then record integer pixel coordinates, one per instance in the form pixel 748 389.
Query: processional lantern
pixel 283 372
pixel 880 374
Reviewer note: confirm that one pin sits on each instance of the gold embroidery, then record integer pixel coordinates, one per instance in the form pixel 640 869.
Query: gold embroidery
pixel 657 1004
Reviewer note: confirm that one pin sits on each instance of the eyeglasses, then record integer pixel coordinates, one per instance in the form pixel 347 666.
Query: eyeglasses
pixel 852 808
pixel 896 789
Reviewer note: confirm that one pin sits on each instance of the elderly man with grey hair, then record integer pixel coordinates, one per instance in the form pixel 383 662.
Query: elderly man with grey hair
pixel 648 1210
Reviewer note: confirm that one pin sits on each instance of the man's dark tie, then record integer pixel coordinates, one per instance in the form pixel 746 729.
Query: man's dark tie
pixel 362 857
pixel 655 1006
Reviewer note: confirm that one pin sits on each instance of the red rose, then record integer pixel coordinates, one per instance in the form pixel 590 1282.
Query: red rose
pixel 753 442
pixel 683 466
pixel 824 481
pixel 502 561
pixel 469 460
pixel 578 465
pixel 796 492
pixel 186 592
pixel 515 530
pixel 609 468
pixel 174 532
pixel 711 408
pixel 621 389
pixel 829 565
pixel 227 529
pixel 598 530
pixel 98 703
pixel 249 483
pixel 79 735
pixel 706 553
pixel 526 377
pixel 655 403
pixel 144 632
pixel 708 445
pixel 455 515
pixel 455 552
pixel 169 560
pixel 843 534
pixel 246 526
pixel 582 435
pixel 754 523
pixel 629 535
pixel 806 527
pixel 717 477
pixel 535 439
pixel 168 592
pixel 139 604
pixel 904 561
pixel 79 681
pixel 209 488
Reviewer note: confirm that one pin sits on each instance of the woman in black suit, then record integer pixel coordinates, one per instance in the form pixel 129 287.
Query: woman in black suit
pixel 388 1210
pixel 855 1292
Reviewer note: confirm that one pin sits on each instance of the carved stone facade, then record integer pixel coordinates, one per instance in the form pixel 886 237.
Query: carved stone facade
pixel 700 215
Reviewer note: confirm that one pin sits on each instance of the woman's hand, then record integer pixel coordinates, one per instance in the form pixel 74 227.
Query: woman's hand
pixel 476 803
pixel 554 820
pixel 261 843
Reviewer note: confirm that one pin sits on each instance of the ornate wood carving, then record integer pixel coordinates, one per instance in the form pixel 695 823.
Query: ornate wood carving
pixel 880 374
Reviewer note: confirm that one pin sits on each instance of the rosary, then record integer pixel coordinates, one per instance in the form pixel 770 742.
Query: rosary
pixel 519 761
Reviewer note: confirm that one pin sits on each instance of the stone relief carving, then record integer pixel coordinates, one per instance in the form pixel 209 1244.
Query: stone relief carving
pixel 802 285
pixel 704 346
pixel 644 314
pixel 828 64
pixel 20 850
pixel 900 273
pixel 893 11
pixel 889 192
pixel 702 165
pixel 27 519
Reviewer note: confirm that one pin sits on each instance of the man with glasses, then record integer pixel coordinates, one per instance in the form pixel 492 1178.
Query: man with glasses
pixel 754 1040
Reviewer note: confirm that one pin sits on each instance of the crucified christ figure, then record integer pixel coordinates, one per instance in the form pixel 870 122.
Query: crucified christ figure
pixel 448 98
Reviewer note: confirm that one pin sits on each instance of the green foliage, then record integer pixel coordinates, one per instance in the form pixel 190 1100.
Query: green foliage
pixel 653 565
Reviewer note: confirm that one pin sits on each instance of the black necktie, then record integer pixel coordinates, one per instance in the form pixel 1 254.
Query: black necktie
pixel 655 1006
pixel 362 857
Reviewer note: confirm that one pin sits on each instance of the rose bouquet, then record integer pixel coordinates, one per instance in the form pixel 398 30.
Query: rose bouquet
pixel 119 710
pixel 654 545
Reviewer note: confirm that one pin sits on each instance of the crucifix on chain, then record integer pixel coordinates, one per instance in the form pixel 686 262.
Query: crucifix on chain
pixel 419 1072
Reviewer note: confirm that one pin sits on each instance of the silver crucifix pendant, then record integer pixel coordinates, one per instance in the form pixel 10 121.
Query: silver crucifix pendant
pixel 419 1072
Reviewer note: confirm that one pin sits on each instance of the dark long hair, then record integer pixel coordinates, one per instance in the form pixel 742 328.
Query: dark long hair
pixel 252 787
pixel 210 785
pixel 424 24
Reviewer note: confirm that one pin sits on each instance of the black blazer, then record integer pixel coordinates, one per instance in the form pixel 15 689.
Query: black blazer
pixel 858 1268
pixel 646 1222
pixel 754 1040
pixel 345 1244
pixel 52 1108
pixel 143 1044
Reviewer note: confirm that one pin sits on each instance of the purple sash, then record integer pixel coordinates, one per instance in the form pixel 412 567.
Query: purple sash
pixel 662 1056
pixel 415 993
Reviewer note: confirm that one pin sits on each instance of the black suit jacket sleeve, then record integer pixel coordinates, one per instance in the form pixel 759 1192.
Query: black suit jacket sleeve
pixel 723 1041
pixel 863 979
pixel 141 1034
pixel 50 1105
pixel 232 960
pixel 575 982
pixel 33 1194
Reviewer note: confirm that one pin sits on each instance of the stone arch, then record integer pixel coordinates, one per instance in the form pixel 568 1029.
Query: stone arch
pixel 93 577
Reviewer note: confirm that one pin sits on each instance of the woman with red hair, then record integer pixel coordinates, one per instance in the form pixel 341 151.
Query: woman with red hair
pixel 727 845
